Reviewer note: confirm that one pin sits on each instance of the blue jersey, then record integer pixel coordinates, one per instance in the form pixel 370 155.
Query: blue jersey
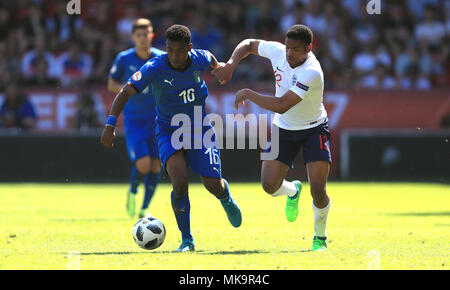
pixel 126 64
pixel 176 91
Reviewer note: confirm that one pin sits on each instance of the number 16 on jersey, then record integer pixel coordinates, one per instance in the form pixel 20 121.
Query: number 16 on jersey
pixel 188 95
pixel 213 155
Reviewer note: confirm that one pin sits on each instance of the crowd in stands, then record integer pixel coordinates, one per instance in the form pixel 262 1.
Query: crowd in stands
pixel 405 47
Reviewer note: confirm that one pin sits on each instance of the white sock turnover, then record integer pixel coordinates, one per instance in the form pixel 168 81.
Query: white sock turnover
pixel 286 187
pixel 320 220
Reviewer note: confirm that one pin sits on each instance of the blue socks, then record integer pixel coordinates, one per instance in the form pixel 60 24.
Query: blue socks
pixel 182 210
pixel 151 181
pixel 135 179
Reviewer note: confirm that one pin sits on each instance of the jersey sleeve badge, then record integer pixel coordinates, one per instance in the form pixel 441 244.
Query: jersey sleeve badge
pixel 137 76
pixel 302 86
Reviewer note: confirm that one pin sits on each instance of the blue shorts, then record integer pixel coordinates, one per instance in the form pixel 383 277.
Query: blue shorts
pixel 204 161
pixel 314 141
pixel 140 138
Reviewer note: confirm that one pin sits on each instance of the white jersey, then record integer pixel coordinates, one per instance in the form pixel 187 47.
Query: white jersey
pixel 305 80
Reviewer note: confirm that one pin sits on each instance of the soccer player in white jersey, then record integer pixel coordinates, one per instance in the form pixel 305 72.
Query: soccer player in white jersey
pixel 300 117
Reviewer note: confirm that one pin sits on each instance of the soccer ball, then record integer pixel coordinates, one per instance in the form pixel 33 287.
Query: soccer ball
pixel 149 233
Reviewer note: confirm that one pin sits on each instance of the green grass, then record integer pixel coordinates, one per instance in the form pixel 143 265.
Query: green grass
pixel 370 225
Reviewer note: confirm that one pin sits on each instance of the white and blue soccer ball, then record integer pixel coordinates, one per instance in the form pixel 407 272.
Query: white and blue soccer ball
pixel 149 233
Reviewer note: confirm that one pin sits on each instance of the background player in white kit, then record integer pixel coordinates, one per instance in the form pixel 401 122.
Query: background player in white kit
pixel 300 117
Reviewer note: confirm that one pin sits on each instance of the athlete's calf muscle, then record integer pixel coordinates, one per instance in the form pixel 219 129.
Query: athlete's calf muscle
pixel 318 175
pixel 178 172
pixel 214 185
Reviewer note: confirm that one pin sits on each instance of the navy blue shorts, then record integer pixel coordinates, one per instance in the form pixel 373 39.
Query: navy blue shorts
pixel 140 138
pixel 314 141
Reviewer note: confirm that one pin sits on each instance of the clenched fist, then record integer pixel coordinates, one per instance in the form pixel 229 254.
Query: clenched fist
pixel 108 136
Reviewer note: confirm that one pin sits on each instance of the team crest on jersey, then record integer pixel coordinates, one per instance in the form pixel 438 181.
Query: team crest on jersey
pixel 294 80
pixel 197 76
pixel 137 76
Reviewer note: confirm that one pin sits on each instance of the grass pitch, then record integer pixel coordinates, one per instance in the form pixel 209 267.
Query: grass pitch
pixel 370 226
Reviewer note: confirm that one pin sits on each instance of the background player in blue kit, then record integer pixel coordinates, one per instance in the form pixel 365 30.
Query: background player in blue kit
pixel 139 116
pixel 177 81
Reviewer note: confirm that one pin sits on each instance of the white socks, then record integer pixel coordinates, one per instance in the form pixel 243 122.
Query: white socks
pixel 320 214
pixel 320 220
pixel 286 187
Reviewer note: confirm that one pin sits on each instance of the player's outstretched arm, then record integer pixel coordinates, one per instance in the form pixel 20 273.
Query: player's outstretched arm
pixel 108 135
pixel 215 64
pixel 271 103
pixel 224 72
pixel 114 86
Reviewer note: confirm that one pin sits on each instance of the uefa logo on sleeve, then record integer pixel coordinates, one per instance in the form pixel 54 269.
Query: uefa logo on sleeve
pixel 137 76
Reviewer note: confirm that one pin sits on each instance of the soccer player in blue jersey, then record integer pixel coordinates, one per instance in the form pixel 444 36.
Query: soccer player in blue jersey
pixel 177 81
pixel 139 116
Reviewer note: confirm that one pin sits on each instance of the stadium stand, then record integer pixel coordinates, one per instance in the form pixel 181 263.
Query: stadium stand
pixel 405 47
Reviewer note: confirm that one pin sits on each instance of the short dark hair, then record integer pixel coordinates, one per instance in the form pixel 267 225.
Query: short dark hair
pixel 179 32
pixel 300 32
pixel 141 23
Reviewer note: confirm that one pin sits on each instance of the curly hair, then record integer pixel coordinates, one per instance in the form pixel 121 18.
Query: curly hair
pixel 178 32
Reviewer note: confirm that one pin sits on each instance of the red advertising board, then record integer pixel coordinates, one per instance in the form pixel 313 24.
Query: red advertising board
pixel 420 110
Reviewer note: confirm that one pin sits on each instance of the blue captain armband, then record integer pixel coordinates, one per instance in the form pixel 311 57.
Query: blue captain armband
pixel 112 120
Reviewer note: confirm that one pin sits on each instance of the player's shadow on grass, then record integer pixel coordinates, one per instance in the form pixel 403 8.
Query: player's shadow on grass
pixel 421 214
pixel 122 253
pixel 249 252
pixel 200 252
pixel 237 252
pixel 294 251
pixel 72 220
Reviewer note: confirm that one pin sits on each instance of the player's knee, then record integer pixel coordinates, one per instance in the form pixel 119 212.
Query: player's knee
pixel 270 187
pixel 143 165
